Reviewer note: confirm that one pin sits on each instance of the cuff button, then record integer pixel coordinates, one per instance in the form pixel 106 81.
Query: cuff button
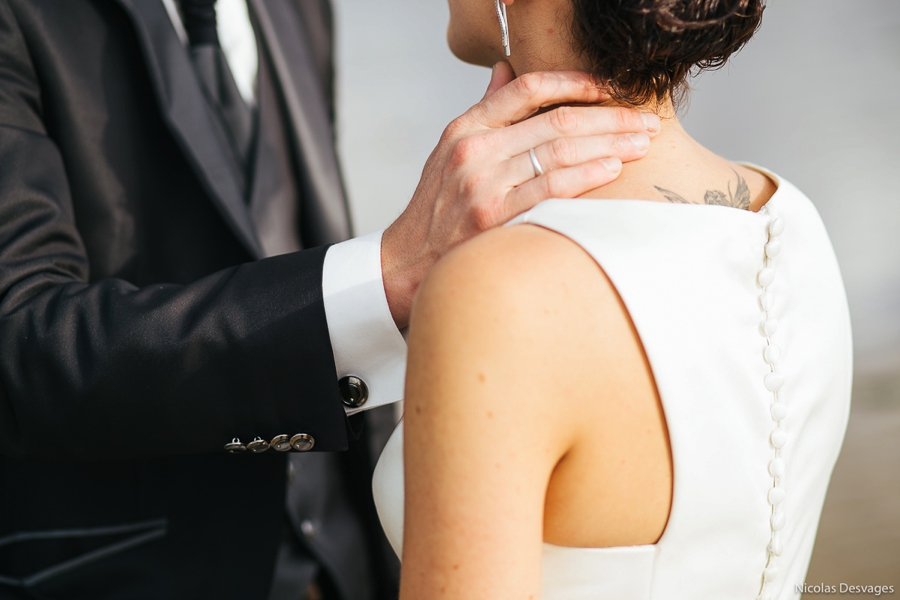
pixel 354 391
pixel 280 443
pixel 235 446
pixel 258 445
pixel 302 442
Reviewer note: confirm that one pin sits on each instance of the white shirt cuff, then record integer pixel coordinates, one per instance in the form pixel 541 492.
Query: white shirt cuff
pixel 364 337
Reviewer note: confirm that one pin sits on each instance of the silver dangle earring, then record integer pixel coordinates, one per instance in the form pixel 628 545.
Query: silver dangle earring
pixel 504 25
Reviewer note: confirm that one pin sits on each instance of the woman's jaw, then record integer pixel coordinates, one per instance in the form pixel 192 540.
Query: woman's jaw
pixel 539 34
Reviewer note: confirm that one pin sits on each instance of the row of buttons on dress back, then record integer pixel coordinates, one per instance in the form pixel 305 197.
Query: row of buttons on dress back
pixel 773 381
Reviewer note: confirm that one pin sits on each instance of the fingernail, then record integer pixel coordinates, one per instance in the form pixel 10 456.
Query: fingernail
pixel 651 121
pixel 641 141
pixel 613 165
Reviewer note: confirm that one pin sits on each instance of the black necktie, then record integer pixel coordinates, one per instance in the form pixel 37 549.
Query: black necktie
pixel 215 75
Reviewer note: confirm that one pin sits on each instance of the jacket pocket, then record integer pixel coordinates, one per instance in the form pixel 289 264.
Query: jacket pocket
pixel 81 547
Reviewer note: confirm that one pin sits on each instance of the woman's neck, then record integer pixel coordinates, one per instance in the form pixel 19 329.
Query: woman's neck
pixel 677 168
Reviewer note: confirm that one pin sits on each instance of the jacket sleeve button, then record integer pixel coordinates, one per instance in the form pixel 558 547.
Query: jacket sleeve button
pixel 354 391
pixel 235 446
pixel 258 445
pixel 280 443
pixel 302 442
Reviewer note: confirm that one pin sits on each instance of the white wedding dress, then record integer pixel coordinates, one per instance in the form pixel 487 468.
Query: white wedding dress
pixel 744 320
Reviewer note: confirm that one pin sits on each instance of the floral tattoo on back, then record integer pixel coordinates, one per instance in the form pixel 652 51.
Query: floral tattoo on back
pixel 739 199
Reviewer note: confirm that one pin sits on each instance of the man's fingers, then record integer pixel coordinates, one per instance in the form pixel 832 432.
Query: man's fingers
pixel 569 152
pixel 531 92
pixel 570 182
pixel 568 121
pixel 501 75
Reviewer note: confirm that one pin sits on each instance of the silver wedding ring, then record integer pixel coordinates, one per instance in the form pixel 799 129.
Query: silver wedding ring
pixel 538 169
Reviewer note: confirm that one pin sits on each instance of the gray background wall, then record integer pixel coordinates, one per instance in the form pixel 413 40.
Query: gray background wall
pixel 813 97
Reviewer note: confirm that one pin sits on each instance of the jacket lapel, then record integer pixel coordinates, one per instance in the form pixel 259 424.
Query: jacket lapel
pixel 287 46
pixel 184 108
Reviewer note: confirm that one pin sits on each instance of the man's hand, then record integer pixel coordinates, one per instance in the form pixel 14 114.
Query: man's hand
pixel 480 174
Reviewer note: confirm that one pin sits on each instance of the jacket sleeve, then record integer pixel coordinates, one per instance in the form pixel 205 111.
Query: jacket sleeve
pixel 105 370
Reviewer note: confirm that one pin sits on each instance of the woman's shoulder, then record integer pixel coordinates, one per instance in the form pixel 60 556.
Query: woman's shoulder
pixel 514 273
pixel 525 302
pixel 511 254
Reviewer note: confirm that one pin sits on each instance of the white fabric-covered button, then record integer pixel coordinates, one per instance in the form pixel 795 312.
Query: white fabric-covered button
pixel 773 248
pixel 778 438
pixel 767 301
pixel 775 546
pixel 778 521
pixel 776 227
pixel 770 326
pixel 773 382
pixel 779 410
pixel 770 574
pixel 776 496
pixel 776 467
pixel 766 277
pixel 771 354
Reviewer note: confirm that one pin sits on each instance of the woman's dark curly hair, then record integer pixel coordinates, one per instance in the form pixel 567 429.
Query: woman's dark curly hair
pixel 644 50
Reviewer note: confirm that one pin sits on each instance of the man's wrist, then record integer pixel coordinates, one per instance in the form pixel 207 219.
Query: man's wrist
pixel 401 273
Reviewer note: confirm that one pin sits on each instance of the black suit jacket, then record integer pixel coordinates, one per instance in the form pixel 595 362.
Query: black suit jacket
pixel 138 334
